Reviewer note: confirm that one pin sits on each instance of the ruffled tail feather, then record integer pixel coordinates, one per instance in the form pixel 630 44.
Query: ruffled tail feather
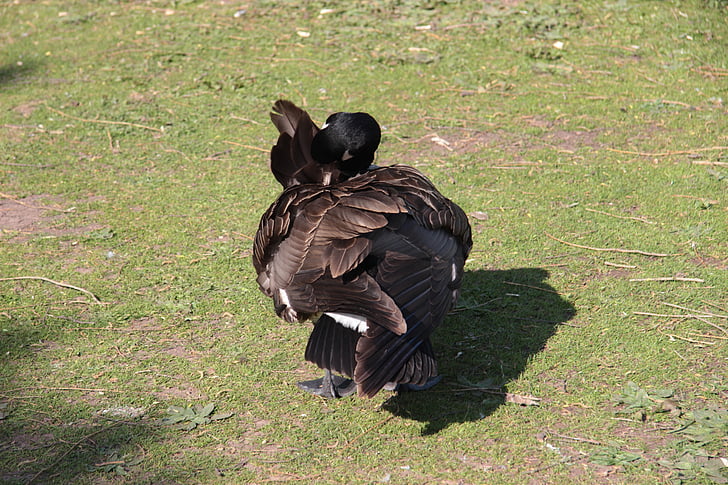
pixel 290 159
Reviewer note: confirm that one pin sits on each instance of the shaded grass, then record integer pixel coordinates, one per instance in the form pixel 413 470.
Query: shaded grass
pixel 144 125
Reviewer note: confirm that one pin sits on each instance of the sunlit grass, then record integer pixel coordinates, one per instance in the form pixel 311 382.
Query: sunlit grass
pixel 577 137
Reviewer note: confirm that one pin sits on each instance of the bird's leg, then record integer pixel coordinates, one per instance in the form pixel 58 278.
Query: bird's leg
pixel 329 386
pixel 328 389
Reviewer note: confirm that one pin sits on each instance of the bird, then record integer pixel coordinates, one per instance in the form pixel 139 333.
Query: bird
pixel 373 255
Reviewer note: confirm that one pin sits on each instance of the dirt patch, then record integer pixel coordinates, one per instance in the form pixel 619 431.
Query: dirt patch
pixel 189 393
pixel 476 141
pixel 27 109
pixel 251 454
pixel 23 215
pixel 453 140
pixel 710 262
pixel 141 98
pixel 45 346
pixel 29 441
pixel 614 274
pixel 182 352
pixel 145 324
pixel 36 214
pixel 570 141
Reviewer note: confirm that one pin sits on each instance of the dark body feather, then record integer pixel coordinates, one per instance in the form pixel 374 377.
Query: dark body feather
pixel 383 245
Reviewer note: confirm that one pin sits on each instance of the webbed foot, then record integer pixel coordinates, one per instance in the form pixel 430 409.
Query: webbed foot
pixel 329 386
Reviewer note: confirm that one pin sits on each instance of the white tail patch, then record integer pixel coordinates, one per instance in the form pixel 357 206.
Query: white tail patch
pixel 283 296
pixel 354 322
pixel 288 313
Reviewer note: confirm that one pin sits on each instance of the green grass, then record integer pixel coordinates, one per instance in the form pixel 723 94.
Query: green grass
pixel 133 166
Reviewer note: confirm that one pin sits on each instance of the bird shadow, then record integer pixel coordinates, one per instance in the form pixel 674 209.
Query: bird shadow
pixel 503 318
pixel 13 73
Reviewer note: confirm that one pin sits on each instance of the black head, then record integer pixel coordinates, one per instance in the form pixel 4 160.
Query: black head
pixel 349 140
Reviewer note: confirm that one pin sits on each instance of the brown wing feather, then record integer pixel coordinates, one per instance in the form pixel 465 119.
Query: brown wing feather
pixel 286 116
pixel 308 241
pixel 344 255
pixel 332 346
pixel 290 159
pixel 416 272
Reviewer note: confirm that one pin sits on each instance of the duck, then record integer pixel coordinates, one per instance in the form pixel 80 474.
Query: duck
pixel 374 256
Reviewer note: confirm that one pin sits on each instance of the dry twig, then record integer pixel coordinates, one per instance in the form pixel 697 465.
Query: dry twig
pixel 707 314
pixel 105 122
pixel 706 335
pixel 250 147
pixel 692 341
pixel 715 306
pixel 292 59
pixel 710 71
pixel 667 154
pixel 245 119
pixel 217 155
pixel 619 265
pixel 12 164
pixel 669 278
pixel 57 283
pixel 668 315
pixel 40 207
pixel 73 446
pixel 703 316
pixel 574 438
pixel 357 437
pixel 532 287
pixel 522 399
pixel 613 250
pixel 718 327
pixel 43 388
pixel 639 219
pixel 708 162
